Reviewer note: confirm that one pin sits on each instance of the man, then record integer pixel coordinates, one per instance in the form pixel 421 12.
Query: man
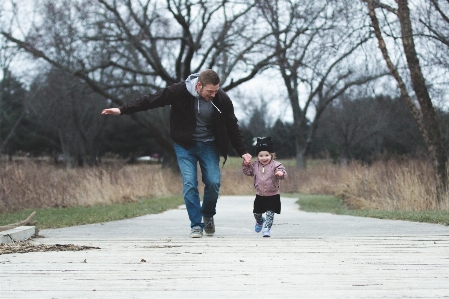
pixel 202 120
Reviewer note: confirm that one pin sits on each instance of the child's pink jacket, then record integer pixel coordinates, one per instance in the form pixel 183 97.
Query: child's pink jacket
pixel 265 180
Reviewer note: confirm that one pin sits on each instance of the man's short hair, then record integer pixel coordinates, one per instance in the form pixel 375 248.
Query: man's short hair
pixel 208 77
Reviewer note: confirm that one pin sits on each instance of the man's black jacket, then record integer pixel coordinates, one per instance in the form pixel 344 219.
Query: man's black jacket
pixel 182 116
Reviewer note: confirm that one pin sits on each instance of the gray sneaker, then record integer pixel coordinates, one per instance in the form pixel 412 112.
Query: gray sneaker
pixel 196 232
pixel 209 226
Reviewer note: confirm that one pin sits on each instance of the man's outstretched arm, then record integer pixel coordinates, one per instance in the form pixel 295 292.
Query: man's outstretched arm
pixel 111 111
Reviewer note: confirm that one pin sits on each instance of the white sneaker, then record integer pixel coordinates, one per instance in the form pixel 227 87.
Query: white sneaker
pixel 196 232
pixel 266 232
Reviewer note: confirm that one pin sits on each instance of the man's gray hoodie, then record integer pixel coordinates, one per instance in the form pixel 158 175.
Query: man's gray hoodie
pixel 204 112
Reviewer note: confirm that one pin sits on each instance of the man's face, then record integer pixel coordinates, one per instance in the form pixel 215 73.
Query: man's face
pixel 208 91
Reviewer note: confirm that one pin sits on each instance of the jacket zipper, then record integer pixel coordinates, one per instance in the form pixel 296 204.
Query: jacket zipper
pixel 263 180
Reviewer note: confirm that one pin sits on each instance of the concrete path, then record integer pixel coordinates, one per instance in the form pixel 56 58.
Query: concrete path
pixel 310 255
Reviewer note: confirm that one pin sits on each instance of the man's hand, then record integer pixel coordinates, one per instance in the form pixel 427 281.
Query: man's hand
pixel 246 159
pixel 111 111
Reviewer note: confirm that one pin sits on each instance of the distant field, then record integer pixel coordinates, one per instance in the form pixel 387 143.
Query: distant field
pixel 291 162
pixel 403 188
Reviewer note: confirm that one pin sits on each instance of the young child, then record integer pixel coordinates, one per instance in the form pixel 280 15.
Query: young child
pixel 267 174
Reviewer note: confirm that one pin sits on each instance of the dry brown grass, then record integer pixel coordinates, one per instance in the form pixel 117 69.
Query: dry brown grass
pixel 406 185
pixel 386 185
pixel 398 184
pixel 34 185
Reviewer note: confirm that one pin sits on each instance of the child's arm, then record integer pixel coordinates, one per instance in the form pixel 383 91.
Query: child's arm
pixel 280 172
pixel 248 169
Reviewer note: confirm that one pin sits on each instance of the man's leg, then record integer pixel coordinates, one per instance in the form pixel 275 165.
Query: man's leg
pixel 209 160
pixel 187 162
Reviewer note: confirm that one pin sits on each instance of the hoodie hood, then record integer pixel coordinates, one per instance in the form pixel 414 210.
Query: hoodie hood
pixel 191 87
pixel 191 84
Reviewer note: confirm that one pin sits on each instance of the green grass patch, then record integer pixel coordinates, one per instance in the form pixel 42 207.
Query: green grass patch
pixel 334 205
pixel 64 217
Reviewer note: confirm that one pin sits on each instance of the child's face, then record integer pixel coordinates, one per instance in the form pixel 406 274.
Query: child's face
pixel 264 157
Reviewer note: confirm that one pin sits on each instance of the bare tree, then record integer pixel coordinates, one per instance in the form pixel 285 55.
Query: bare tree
pixel 123 48
pixel 432 34
pixel 65 106
pixel 358 126
pixel 256 116
pixel 314 42
pixel 351 123
pixel 8 52
pixel 436 23
pixel 424 114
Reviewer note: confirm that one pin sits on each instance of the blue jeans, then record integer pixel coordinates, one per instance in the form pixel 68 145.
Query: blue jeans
pixel 206 153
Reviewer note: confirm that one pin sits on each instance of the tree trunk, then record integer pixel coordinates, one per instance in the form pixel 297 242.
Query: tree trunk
pixel 426 116
pixel 300 140
pixel 435 144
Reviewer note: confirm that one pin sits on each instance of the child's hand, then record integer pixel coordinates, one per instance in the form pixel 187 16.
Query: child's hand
pixel 246 159
pixel 279 174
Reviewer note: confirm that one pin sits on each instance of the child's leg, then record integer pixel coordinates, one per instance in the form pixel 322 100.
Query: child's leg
pixel 269 219
pixel 259 222
pixel 258 217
